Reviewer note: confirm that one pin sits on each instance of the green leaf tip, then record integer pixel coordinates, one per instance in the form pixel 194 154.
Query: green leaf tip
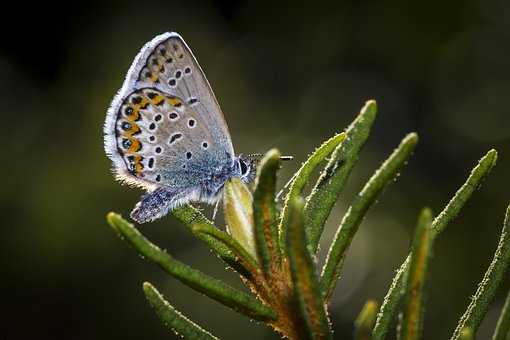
pixel 366 320
pixel 370 108
pixel 492 156
pixel 476 177
pixel 312 310
pixel 487 288
pixel 172 318
pixel 216 289
pixel 265 213
pixel 466 334
pixel 271 156
pixel 411 138
pixel 333 178
pixel 302 177
pixel 415 279
pixel 383 176
pixel 113 218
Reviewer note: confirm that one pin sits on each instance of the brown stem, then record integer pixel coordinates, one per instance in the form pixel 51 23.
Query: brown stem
pixel 277 292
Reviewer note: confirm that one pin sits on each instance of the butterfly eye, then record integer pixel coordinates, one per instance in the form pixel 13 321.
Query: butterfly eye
pixel 244 167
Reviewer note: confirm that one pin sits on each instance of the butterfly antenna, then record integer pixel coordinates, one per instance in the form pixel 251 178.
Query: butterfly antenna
pixel 255 156
pixel 259 156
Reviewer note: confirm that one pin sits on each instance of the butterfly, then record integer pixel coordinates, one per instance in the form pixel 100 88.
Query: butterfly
pixel 165 132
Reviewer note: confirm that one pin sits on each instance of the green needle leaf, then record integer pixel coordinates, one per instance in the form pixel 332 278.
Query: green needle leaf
pixel 489 285
pixel 302 177
pixel 248 261
pixel 332 180
pixel 415 280
pixel 172 318
pixel 503 326
pixel 366 320
pixel 306 286
pixel 265 213
pixel 474 181
pixel 391 302
pixel 191 217
pixel 214 288
pixel 394 295
pixel 385 175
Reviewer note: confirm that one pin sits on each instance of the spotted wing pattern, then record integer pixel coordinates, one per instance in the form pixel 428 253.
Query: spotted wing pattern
pixel 165 126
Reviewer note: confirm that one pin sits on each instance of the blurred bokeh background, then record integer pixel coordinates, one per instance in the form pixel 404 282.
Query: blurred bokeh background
pixel 286 77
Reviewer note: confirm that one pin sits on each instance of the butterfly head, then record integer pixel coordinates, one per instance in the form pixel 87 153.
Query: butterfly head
pixel 247 167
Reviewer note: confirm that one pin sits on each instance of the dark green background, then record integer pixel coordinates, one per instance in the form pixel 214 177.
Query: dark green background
pixel 286 77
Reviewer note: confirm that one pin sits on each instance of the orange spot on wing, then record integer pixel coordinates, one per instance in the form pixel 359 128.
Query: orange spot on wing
pixel 157 100
pixel 135 115
pixel 143 104
pixel 138 164
pixel 135 146
pixel 174 101
pixel 134 130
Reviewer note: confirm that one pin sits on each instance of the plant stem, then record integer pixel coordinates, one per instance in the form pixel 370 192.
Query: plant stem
pixel 487 288
pixel 178 323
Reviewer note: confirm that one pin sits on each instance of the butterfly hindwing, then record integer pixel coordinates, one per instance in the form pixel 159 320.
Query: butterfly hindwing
pixel 163 141
pixel 165 126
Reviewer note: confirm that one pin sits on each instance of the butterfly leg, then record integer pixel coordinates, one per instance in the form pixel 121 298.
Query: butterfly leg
pixel 216 206
pixel 156 204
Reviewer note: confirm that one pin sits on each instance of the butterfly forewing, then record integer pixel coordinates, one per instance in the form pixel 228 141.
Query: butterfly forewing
pixel 165 126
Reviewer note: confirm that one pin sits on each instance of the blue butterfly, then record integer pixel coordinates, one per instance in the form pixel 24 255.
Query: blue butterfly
pixel 165 132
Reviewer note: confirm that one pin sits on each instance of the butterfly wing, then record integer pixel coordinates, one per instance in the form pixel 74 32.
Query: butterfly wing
pixel 165 126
